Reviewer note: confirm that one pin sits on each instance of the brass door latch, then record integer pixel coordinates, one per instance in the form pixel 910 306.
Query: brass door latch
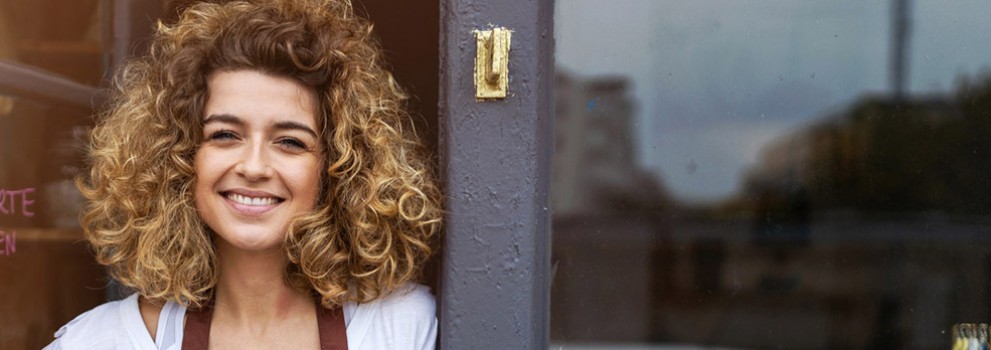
pixel 492 63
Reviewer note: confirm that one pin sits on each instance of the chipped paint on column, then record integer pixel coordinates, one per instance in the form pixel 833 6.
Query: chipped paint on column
pixel 496 164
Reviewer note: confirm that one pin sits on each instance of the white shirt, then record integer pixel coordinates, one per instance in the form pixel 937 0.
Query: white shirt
pixel 405 319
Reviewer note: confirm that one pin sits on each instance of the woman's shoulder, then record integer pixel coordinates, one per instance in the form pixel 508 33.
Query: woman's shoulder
pixel 411 303
pixel 106 326
pixel 411 300
pixel 403 319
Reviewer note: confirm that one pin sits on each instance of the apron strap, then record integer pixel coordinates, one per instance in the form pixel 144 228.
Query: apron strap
pixel 196 331
pixel 333 333
pixel 330 324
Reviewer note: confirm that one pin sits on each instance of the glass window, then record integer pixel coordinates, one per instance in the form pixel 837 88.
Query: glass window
pixel 67 38
pixel 47 274
pixel 771 174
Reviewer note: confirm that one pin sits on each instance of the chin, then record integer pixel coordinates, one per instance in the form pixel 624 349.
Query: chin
pixel 252 241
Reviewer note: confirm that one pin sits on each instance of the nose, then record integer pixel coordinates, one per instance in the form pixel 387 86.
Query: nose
pixel 255 163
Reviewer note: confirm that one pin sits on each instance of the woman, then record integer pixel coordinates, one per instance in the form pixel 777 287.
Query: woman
pixel 257 184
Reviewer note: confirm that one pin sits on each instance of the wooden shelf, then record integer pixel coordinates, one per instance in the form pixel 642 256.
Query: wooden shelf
pixel 33 234
pixel 61 47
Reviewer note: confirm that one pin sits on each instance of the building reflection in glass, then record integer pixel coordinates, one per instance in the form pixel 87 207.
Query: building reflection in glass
pixel 854 219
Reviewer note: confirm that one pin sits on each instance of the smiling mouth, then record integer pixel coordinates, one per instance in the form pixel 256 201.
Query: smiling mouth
pixel 252 201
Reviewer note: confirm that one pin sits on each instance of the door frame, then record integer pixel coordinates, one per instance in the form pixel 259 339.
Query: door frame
pixel 496 160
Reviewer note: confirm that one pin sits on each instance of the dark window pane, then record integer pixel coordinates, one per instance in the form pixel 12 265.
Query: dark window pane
pixel 771 174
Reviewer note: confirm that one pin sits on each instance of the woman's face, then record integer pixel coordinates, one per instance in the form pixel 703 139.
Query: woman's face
pixel 259 164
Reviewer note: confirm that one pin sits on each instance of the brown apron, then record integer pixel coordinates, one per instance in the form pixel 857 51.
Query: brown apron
pixel 330 322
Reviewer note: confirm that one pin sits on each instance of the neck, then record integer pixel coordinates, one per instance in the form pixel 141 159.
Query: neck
pixel 251 288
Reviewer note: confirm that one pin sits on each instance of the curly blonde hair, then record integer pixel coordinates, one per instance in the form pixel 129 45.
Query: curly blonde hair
pixel 378 209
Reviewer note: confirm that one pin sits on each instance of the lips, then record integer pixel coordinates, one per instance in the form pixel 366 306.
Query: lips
pixel 255 201
pixel 251 203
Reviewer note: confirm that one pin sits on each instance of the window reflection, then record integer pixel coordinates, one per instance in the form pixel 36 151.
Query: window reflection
pixel 67 38
pixel 746 175
pixel 47 274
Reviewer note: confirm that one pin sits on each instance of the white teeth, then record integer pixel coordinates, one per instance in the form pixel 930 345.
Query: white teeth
pixel 251 200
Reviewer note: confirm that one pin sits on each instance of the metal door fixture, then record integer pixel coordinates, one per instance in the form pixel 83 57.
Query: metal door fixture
pixel 492 63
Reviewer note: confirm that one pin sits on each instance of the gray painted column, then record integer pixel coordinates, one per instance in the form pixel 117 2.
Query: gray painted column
pixel 496 164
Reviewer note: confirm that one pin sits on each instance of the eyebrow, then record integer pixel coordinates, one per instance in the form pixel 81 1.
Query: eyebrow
pixel 283 125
